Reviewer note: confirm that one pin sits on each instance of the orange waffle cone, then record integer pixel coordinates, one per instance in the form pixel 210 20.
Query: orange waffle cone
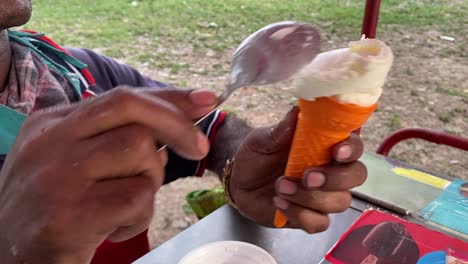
pixel 321 125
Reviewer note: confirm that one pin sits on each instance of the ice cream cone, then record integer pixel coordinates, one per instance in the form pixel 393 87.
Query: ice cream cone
pixel 321 124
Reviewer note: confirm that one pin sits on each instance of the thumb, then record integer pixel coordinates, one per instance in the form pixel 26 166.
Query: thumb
pixel 274 139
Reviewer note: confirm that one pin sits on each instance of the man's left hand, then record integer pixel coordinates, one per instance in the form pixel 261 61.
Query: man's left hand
pixel 259 189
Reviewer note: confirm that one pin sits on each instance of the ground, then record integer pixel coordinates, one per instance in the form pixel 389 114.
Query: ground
pixel 190 43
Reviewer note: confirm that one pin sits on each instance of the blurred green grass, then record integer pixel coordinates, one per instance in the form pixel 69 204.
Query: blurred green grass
pixel 116 25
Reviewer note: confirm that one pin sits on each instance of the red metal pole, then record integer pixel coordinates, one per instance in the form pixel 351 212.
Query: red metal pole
pixel 371 18
pixel 369 23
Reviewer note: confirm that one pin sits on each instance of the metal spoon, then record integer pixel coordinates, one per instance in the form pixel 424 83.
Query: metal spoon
pixel 270 55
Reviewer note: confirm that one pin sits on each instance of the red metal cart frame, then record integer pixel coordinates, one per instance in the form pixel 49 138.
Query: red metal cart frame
pixel 430 135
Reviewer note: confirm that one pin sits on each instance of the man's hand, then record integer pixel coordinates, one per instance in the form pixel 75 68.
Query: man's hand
pixel 258 187
pixel 88 172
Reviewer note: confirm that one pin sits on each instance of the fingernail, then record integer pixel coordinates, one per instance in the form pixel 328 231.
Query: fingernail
pixel 287 187
pixel 203 143
pixel 315 179
pixel 280 203
pixel 203 97
pixel 344 152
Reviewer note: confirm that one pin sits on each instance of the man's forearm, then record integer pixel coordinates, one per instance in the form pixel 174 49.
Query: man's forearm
pixel 227 140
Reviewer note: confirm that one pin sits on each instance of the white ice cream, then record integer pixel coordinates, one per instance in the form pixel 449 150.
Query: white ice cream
pixel 354 75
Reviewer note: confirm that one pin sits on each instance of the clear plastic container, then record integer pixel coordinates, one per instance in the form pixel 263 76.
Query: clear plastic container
pixel 228 252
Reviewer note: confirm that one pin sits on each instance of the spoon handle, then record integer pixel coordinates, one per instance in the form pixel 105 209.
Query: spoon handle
pixel 221 99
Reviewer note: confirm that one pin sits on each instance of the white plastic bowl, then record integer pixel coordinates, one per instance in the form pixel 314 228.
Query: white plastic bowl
pixel 228 252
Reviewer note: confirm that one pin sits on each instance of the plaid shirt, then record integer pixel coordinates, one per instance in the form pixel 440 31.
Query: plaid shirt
pixel 32 84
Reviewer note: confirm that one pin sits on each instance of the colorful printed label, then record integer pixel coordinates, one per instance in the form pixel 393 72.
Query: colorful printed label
pixel 450 208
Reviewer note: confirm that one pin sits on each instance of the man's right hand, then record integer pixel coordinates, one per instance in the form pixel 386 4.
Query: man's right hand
pixel 80 174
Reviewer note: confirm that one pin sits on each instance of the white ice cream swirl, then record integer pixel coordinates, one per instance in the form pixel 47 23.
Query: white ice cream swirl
pixel 354 75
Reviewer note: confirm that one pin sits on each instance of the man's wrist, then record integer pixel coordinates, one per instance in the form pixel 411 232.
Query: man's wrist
pixel 229 137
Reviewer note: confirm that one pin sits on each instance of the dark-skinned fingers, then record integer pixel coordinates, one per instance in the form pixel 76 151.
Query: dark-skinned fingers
pixel 122 107
pixel 337 177
pixel 125 151
pixel 40 124
pixel 324 202
pixel 123 206
pixel 117 108
pixel 195 103
pixel 348 150
pixel 302 218
pixel 274 139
